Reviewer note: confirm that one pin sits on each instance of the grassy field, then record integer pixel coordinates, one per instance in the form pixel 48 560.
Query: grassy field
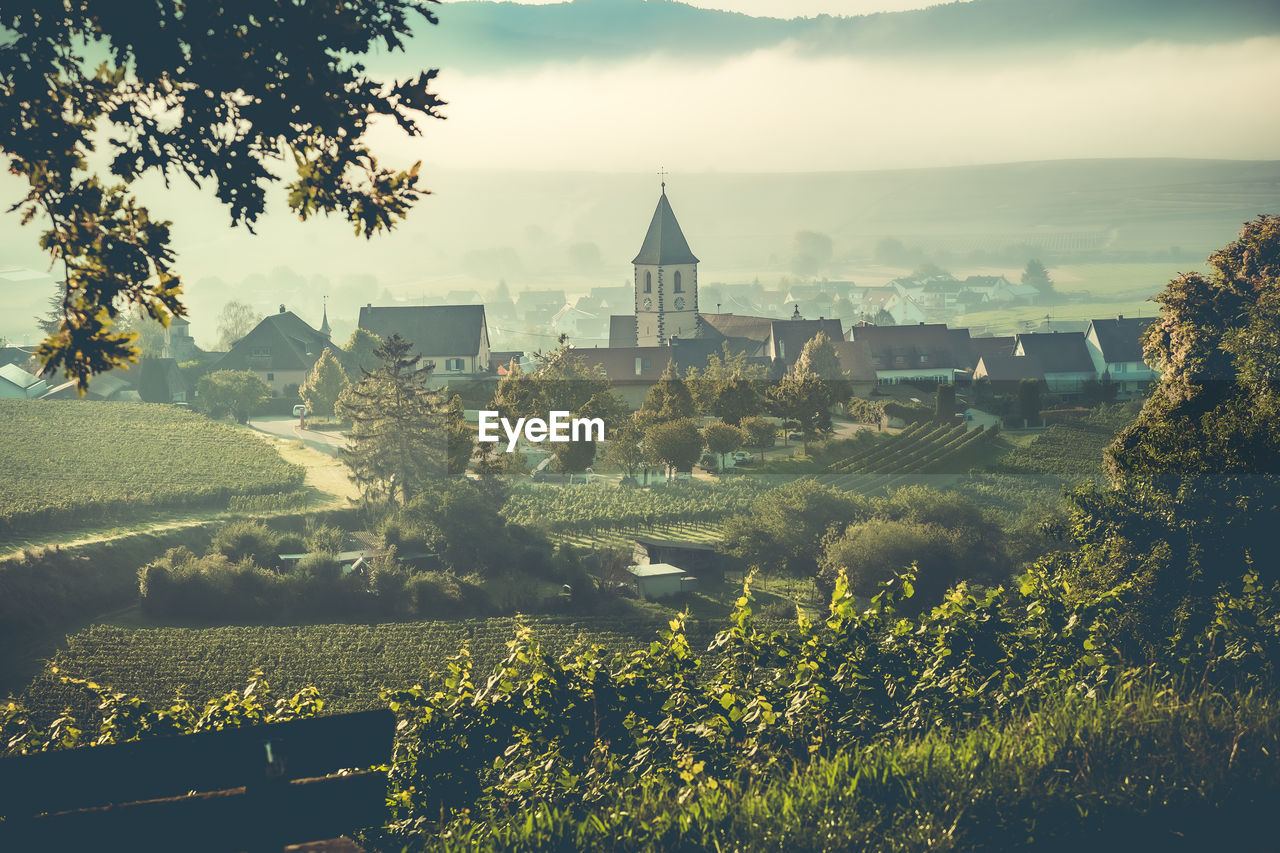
pixel 66 463
pixel 1136 281
pixel 1091 290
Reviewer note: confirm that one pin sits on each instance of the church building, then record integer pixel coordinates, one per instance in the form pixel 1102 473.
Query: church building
pixel 666 281
pixel 666 315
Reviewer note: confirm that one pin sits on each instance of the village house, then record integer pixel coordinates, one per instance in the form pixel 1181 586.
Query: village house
pixel 925 352
pixel 454 338
pixel 1063 357
pixel 282 349
pixel 1004 373
pixel 1115 348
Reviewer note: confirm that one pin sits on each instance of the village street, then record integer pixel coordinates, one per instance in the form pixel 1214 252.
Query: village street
pixel 287 427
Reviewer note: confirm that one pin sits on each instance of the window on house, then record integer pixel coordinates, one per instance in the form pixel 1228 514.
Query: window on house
pixel 648 282
pixel 648 363
pixel 271 377
pixel 453 364
pixel 924 359
pixel 260 352
pixel 639 365
pixel 679 285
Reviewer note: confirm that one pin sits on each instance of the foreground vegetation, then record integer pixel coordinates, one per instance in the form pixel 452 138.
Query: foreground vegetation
pixel 68 459
pixel 1010 719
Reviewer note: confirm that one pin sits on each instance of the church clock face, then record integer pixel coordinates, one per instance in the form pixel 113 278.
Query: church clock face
pixel 679 303
pixel 648 303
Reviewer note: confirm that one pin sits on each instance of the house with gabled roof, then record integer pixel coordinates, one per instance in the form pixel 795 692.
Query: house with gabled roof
pixel 1063 357
pixel 995 289
pixel 282 349
pixel 1115 347
pixel 925 352
pixel 454 338
pixel 1004 373
pixel 787 338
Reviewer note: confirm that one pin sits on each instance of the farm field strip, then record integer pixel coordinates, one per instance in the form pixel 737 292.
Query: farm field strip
pixel 704 532
pixel 347 663
pixel 71 458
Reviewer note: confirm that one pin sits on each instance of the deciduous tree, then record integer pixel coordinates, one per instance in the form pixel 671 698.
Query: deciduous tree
pixel 1196 478
pixel 760 434
pixel 562 381
pixel 668 400
pixel 676 444
pixel 325 384
pixel 220 93
pixel 722 438
pixel 360 352
pixel 232 392
pixel 805 399
pixel 235 320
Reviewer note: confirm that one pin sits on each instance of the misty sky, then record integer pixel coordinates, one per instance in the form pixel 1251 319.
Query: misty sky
pixel 789 8
pixel 782 110
pixel 502 208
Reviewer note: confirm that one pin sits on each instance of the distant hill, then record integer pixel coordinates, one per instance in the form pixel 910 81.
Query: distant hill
pixel 475 35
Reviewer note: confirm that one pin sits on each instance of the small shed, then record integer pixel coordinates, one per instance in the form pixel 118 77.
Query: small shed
pixel 700 557
pixel 660 580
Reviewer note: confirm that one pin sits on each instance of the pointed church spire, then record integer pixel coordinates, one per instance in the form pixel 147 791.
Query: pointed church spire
pixel 665 243
pixel 324 323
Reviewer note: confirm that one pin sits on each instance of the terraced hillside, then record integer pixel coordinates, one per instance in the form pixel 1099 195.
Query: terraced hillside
pixel 922 449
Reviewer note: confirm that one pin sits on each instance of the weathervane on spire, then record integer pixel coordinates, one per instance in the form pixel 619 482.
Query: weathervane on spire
pixel 662 173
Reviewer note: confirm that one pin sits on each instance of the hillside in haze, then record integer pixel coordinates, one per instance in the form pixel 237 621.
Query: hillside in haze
pixel 578 230
pixel 475 35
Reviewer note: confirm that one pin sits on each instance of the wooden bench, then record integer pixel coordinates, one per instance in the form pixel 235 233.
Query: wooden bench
pixel 259 788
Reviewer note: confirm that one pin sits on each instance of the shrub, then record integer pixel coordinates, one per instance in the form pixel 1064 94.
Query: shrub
pixel 252 540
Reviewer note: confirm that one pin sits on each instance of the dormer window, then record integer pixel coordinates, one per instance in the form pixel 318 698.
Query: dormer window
pixel 679 285
pixel 260 352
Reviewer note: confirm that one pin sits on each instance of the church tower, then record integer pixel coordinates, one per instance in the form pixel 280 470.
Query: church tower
pixel 666 281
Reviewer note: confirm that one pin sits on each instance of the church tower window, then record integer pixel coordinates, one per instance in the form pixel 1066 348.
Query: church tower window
pixel 648 282
pixel 679 286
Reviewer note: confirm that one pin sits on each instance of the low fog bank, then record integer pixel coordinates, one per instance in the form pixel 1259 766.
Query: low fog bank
pixel 573 231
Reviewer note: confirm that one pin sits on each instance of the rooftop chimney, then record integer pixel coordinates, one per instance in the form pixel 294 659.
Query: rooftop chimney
pixel 281 307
